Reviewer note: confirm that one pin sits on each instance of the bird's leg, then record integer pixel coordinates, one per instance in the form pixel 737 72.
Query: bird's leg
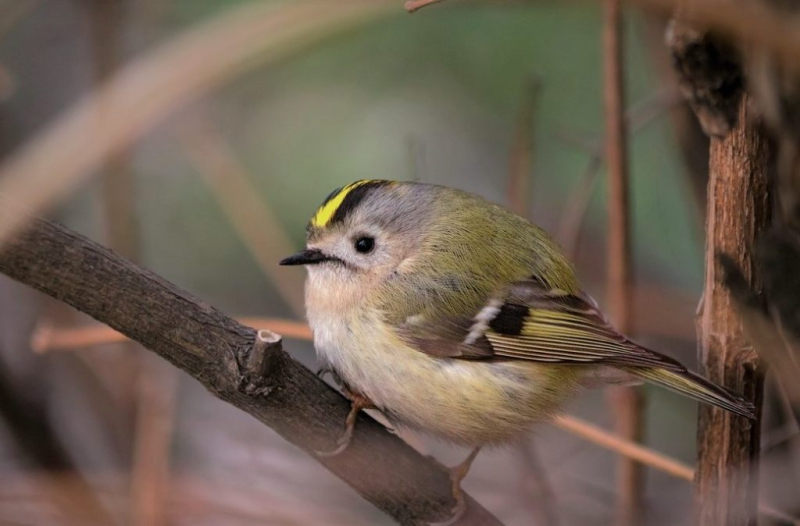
pixel 357 402
pixel 457 474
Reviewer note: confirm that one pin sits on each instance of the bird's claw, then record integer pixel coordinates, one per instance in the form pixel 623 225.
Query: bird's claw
pixel 457 474
pixel 341 443
pixel 457 512
pixel 357 403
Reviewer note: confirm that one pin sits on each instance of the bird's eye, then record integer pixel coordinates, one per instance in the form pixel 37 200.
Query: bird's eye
pixel 365 244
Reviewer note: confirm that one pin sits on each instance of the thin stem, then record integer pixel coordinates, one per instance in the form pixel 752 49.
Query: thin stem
pixel 627 401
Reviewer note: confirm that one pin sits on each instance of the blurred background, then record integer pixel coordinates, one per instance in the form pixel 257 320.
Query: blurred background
pixel 217 184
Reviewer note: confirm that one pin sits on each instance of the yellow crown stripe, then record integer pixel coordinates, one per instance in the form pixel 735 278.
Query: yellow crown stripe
pixel 328 209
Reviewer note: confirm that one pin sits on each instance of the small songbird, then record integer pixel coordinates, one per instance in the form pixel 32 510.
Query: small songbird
pixel 454 316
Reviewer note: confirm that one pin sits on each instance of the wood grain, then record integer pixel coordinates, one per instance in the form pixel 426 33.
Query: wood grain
pixel 739 209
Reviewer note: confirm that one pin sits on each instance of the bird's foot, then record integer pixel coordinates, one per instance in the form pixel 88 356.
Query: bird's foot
pixel 357 403
pixel 457 474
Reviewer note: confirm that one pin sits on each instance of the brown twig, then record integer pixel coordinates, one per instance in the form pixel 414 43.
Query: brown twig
pixel 257 226
pixel 646 456
pixel 627 401
pixel 47 338
pixel 624 447
pixel 415 5
pixel 215 350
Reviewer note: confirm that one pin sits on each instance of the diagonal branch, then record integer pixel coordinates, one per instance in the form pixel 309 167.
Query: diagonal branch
pixel 222 355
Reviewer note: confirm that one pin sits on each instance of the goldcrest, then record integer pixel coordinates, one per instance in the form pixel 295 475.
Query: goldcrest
pixel 457 317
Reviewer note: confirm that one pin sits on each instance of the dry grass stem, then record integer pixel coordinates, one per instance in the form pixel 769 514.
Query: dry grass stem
pixel 624 447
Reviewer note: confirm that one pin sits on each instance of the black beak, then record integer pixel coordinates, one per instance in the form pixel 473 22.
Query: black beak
pixel 309 256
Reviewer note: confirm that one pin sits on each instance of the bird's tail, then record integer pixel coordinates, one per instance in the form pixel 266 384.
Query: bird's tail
pixel 697 387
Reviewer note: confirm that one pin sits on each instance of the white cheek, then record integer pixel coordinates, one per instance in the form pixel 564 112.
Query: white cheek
pixel 330 290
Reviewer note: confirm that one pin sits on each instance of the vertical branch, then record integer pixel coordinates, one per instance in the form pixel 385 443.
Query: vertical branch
pixel 627 401
pixel 726 483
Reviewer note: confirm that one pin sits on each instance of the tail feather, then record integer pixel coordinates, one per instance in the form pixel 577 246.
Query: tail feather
pixel 697 387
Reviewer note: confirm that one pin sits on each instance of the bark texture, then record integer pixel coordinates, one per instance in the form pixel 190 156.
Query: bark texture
pixel 739 210
pixel 710 76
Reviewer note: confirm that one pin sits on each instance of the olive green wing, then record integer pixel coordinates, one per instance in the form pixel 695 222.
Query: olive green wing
pixel 530 322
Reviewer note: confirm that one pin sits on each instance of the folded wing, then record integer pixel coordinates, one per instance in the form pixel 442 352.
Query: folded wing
pixel 530 322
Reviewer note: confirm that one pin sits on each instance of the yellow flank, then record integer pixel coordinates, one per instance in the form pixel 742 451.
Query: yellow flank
pixel 326 211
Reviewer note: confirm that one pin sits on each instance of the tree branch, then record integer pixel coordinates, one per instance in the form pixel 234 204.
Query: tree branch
pixel 217 350
pixel 739 210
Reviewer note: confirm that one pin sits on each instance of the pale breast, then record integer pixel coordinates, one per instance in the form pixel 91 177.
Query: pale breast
pixel 467 402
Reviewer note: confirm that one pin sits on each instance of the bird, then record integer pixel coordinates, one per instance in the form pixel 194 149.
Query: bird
pixel 456 317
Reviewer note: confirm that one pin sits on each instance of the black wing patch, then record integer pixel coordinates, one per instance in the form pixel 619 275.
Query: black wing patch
pixel 530 322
